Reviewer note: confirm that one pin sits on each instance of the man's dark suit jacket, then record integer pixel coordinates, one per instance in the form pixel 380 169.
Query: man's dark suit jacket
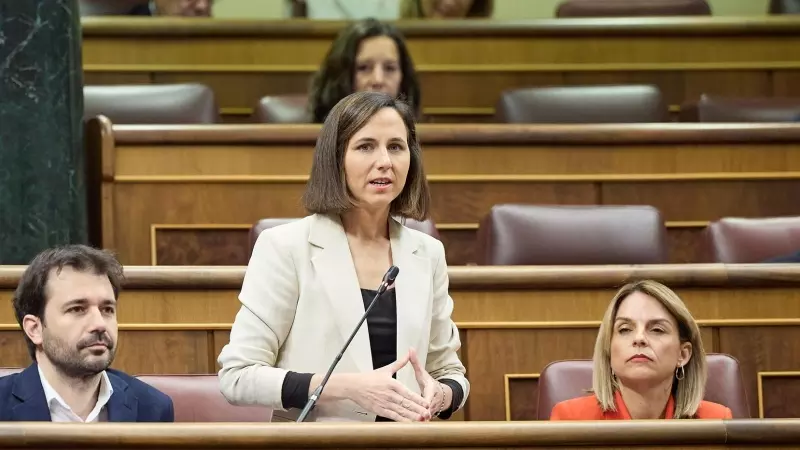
pixel 22 399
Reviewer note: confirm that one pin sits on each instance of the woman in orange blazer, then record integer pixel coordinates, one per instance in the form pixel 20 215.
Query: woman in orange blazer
pixel 649 362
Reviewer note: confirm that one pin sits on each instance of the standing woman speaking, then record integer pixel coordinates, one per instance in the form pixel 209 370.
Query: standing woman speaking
pixel 309 281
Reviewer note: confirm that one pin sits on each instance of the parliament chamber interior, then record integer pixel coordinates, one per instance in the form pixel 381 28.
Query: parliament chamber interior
pixel 570 147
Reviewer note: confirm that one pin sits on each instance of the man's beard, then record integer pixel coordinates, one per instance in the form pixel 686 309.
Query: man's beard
pixel 71 362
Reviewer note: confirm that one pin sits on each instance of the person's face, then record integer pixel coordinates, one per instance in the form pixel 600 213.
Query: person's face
pixel 187 8
pixel 78 333
pixel 377 159
pixel 377 66
pixel 444 9
pixel 645 344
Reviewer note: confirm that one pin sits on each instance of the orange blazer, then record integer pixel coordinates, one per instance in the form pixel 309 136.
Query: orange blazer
pixel 588 408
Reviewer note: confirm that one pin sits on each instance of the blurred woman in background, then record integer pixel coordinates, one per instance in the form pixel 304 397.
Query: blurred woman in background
pixel 368 55
pixel 446 9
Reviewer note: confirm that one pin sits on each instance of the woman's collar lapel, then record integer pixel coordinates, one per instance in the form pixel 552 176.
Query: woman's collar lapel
pixel 334 267
pixel 414 287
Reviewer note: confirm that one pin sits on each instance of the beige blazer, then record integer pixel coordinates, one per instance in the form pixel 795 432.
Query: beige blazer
pixel 301 300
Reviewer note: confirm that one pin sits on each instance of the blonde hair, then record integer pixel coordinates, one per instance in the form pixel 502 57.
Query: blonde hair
pixel 689 391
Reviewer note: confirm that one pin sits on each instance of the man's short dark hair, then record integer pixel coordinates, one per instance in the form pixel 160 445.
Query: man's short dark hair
pixel 326 190
pixel 30 296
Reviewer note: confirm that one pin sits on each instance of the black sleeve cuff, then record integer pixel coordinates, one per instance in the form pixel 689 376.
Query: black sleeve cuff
pixel 294 392
pixel 458 396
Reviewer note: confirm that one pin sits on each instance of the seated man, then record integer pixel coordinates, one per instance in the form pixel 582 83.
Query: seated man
pixel 66 304
pixel 185 8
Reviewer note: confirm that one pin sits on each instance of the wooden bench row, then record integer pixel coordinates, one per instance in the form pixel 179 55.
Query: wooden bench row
pixel 513 321
pixel 705 434
pixel 463 66
pixel 188 195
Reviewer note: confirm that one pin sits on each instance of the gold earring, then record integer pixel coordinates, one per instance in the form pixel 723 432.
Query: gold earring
pixel 680 373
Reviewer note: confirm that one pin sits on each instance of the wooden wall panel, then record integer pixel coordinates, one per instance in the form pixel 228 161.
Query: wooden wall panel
pixel 478 89
pixel 241 90
pixel 7 313
pixel 470 202
pixel 761 349
pixel 686 244
pixel 459 245
pixel 221 339
pixel 184 307
pixel 779 395
pixel 522 396
pixel 168 204
pixel 101 78
pixel 670 82
pixel 138 352
pixel 164 352
pixel 786 83
pixel 494 353
pixel 709 200
pixel 221 245
pixel 733 83
pixel 13 350
pixel 201 247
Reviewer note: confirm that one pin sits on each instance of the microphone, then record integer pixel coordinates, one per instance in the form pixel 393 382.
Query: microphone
pixel 388 279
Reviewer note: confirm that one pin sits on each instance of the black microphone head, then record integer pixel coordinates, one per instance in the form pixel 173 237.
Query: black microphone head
pixel 391 274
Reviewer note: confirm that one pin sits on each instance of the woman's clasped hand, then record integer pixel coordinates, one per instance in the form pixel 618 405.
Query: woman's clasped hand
pixel 383 395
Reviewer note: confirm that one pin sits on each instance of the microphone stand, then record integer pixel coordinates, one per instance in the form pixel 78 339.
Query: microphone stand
pixel 312 400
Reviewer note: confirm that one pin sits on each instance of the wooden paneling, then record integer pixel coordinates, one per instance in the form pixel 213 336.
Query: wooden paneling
pixel 461 65
pixel 15 352
pixel 697 434
pixel 161 352
pixel 761 349
pixel 459 246
pixel 202 186
pixel 505 351
pixel 138 352
pixel 192 246
pixel 522 396
pixel 778 394
pixel 720 198
pixel 221 245
pixel 687 244
pixel 513 320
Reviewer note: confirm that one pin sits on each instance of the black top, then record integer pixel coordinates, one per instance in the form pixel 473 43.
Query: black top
pixel 382 329
pixel 382 326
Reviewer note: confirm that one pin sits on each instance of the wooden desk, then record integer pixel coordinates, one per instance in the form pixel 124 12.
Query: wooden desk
pixel 705 434
pixel 513 322
pixel 463 65
pixel 187 195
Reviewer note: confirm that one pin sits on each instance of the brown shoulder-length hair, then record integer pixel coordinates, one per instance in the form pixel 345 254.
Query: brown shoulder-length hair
pixel 326 190
pixel 334 79
pixel 689 390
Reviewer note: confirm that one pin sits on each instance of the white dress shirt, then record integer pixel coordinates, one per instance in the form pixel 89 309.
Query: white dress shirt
pixel 61 412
